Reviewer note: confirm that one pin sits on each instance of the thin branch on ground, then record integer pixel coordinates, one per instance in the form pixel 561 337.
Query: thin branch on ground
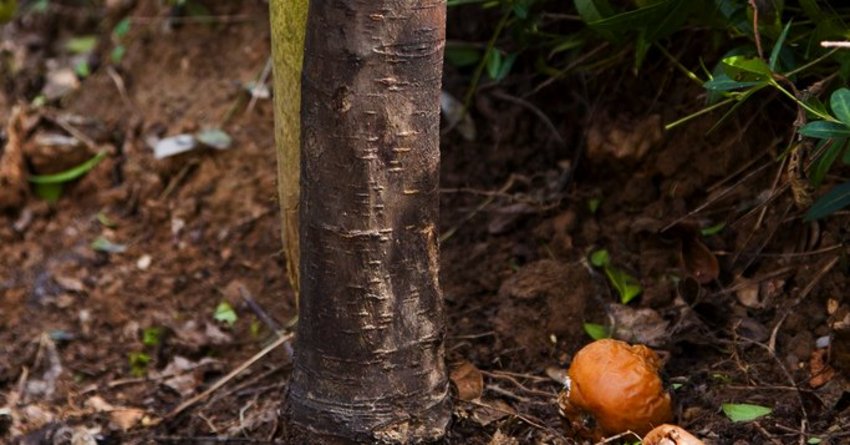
pixel 224 380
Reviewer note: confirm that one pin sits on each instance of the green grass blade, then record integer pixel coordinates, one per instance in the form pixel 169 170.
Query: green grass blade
pixel 70 174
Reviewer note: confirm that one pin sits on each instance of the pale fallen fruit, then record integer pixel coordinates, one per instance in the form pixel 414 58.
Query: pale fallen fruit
pixel 614 387
pixel 670 435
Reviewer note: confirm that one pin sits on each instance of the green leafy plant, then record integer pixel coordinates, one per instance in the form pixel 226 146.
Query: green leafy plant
pixel 139 362
pixel 627 286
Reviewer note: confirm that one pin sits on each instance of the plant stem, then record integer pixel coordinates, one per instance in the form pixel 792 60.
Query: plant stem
pixel 705 110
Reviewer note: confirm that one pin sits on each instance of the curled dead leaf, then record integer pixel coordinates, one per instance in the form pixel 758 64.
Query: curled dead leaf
pixel 468 381
pixel 699 261
pixel 821 371
pixel 670 435
pixel 125 418
pixel 490 411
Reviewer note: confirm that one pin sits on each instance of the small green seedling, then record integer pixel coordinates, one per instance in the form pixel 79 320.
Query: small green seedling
pixel 49 187
pixel 627 286
pixel 139 362
pixel 225 314
pixel 101 244
pixel 597 331
pixel 152 336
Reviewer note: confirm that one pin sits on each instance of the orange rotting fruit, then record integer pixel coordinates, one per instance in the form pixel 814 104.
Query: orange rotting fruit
pixel 615 387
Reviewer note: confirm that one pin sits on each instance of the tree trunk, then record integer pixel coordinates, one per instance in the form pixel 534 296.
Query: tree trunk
pixel 369 355
pixel 288 23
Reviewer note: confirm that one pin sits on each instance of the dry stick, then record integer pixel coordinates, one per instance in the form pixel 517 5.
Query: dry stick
pixel 766 240
pixel 764 432
pixel 73 131
pixel 805 293
pixel 222 381
pixel 773 187
pixel 120 86
pixel 258 311
pixel 519 416
pixel 519 385
pixel 213 439
pixel 449 233
pixel 805 420
pixel 756 28
pixel 264 77
pixel 618 437
pixel 716 198
pixel 844 45
pixel 537 111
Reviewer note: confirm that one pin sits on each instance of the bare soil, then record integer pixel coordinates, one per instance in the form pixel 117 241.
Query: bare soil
pixel 103 346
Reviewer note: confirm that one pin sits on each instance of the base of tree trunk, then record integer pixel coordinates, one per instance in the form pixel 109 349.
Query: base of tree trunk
pixel 357 428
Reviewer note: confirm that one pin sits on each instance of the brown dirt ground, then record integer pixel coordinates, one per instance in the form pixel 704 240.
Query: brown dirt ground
pixel 201 228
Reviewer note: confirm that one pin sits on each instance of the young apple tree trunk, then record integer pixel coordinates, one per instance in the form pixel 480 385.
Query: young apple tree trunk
pixel 288 20
pixel 369 355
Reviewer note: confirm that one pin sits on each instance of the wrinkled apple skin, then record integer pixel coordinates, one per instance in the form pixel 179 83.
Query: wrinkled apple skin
pixel 615 387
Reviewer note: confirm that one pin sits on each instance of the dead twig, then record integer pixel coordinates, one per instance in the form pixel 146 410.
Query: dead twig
pixel 223 381
pixel 449 233
pixel 537 112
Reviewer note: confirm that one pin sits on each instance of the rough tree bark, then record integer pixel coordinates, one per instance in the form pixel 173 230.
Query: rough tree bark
pixel 288 24
pixel 369 355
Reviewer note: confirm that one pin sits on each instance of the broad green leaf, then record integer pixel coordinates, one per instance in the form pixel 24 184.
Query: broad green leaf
pixel 744 412
pixel 494 62
pixel 82 69
pixel 743 68
pixel 70 174
pixel 593 10
pixel 626 285
pixel 225 313
pixel 600 258
pixel 825 130
pixel 597 331
pixel 834 200
pixel 117 54
pixel 723 82
pixel 840 104
pixel 505 67
pixel 462 55
pixel 122 28
pixel 81 45
pixel 827 159
pixel 777 47
pixel 569 42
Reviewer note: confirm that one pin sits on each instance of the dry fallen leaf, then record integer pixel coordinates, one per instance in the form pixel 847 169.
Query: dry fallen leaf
pixel 501 438
pixel 125 418
pixel 670 435
pixel 468 380
pixel 699 261
pixel 490 411
pixel 821 372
